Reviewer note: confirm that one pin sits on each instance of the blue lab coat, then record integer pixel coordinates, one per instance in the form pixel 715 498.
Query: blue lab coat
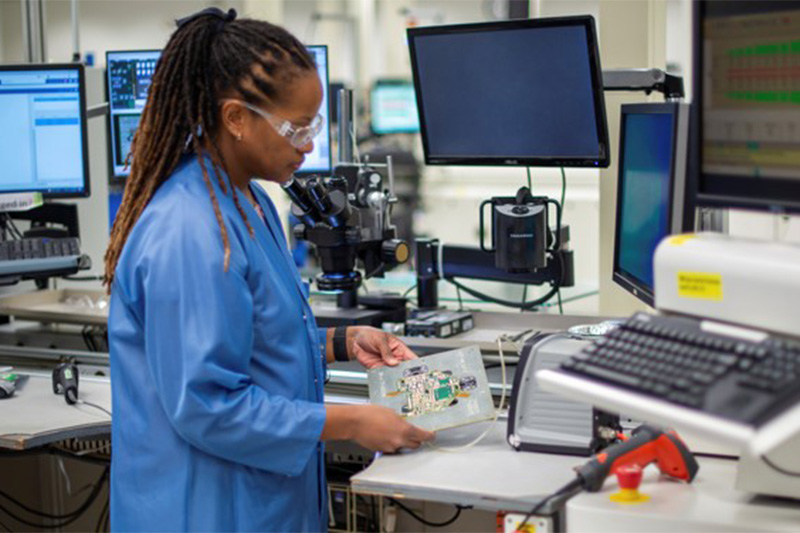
pixel 217 377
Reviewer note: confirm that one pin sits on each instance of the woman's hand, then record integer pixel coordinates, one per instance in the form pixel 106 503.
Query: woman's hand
pixel 374 427
pixel 373 348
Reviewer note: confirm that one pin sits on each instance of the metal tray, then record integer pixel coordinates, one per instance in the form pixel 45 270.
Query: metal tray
pixel 67 306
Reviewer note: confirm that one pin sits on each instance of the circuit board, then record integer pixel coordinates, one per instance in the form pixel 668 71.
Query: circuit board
pixel 439 391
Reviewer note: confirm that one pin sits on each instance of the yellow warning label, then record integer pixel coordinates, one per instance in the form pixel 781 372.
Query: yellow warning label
pixel 701 285
pixel 677 240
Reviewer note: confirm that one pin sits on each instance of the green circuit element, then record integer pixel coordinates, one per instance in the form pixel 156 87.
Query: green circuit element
pixel 788 47
pixel 430 391
pixel 765 96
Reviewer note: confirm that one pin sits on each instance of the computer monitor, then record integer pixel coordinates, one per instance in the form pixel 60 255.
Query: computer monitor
pixel 319 160
pixel 393 107
pixel 519 92
pixel 746 93
pixel 651 189
pixel 43 130
pixel 129 74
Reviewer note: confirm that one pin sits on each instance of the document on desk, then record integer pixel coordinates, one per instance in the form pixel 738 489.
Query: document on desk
pixel 436 392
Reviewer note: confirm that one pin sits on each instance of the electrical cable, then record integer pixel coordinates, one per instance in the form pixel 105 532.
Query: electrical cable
pixel 524 297
pixel 12 227
pixel 67 518
pixel 90 404
pixel 567 490
pixel 777 468
pixel 516 305
pixel 101 518
pixel 460 302
pixel 563 203
pixel 368 515
pixel 428 523
pixel 530 182
pixel 409 290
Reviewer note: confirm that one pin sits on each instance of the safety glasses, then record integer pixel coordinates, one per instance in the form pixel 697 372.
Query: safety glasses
pixel 298 136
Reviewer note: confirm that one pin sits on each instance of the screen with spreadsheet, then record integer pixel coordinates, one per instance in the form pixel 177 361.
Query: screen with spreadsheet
pixel 43 131
pixel 747 89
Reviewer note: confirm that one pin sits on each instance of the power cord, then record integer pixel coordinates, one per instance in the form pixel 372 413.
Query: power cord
pixel 777 468
pixel 428 523
pixel 66 518
pixel 90 404
pixel 409 290
pixel 567 491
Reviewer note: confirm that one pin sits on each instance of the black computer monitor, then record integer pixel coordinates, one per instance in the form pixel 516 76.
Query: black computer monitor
pixel 319 160
pixel 747 104
pixel 43 130
pixel 129 74
pixel 519 92
pixel 393 107
pixel 651 190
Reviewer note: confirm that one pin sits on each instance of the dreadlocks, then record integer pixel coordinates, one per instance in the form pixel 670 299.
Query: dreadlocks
pixel 209 55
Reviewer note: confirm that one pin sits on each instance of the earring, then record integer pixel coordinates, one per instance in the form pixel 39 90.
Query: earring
pixel 238 136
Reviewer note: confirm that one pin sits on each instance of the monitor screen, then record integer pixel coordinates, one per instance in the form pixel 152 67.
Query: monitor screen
pixel 747 92
pixel 393 108
pixel 129 74
pixel 43 130
pixel 520 92
pixel 650 190
pixel 319 160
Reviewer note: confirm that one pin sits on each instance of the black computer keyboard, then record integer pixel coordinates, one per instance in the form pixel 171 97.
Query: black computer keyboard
pixel 38 248
pixel 740 378
pixel 40 257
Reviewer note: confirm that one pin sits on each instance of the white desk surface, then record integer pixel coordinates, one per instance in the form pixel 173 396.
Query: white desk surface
pixel 35 416
pixel 491 475
pixel 709 504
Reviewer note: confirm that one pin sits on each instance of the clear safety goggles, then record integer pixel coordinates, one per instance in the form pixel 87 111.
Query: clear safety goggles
pixel 298 136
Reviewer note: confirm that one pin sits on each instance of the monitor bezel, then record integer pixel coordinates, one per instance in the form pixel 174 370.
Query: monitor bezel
pixel 389 82
pixel 724 190
pixel 588 23
pixel 87 182
pixel 327 131
pixel 110 118
pixel 676 220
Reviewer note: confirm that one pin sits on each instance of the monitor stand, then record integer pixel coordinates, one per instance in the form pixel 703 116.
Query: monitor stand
pixel 52 219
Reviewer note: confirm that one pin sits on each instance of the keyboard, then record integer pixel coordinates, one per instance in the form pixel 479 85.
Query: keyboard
pixel 38 248
pixel 40 257
pixel 746 377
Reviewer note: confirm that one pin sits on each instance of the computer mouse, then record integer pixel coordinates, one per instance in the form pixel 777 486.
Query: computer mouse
pixel 7 389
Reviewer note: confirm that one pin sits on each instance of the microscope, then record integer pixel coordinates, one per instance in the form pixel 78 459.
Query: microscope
pixel 347 217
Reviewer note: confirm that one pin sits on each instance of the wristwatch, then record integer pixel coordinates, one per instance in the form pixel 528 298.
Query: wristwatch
pixel 340 344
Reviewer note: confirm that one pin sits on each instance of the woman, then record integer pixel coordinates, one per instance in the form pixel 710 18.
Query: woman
pixel 216 362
